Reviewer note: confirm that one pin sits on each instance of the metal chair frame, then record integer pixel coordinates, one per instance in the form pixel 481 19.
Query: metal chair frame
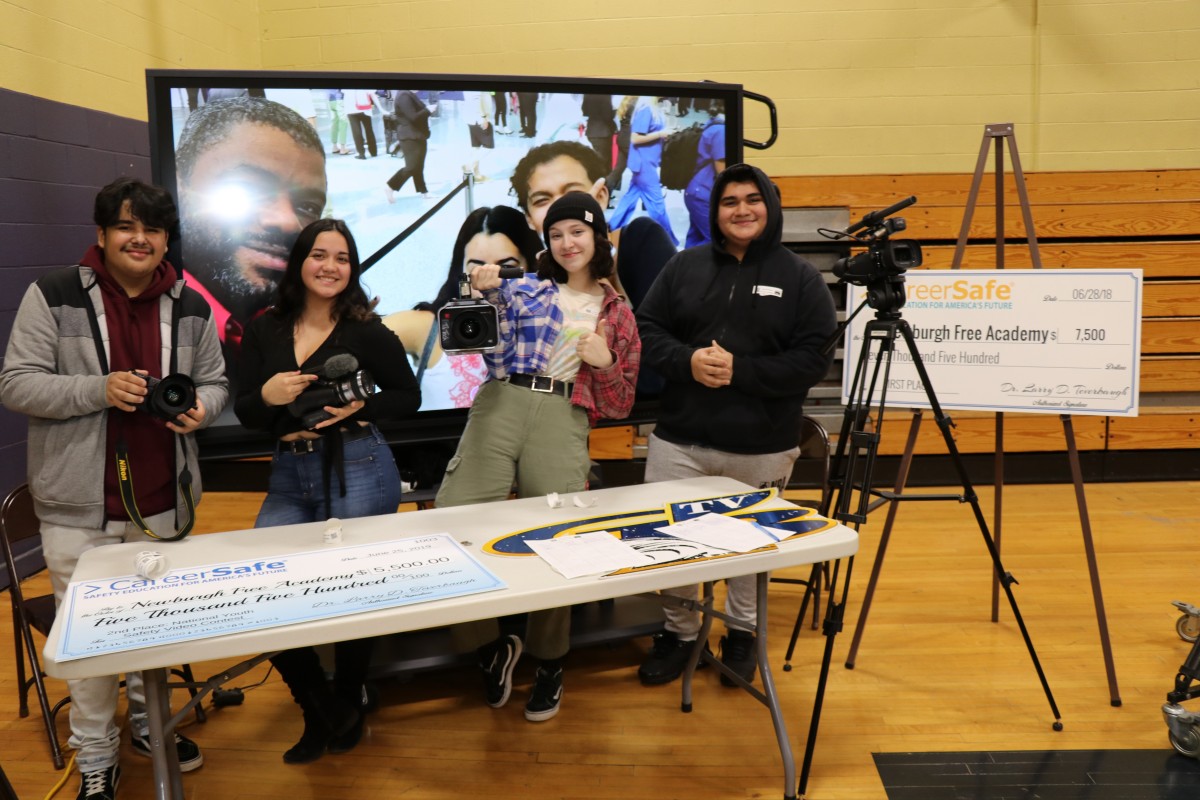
pixel 18 522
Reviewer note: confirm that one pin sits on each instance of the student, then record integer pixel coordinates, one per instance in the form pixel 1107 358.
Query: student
pixel 549 171
pixel 338 467
pixel 496 235
pixel 737 328
pixel 569 355
pixel 82 340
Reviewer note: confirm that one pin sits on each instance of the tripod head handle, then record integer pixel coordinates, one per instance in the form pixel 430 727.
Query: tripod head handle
pixel 875 217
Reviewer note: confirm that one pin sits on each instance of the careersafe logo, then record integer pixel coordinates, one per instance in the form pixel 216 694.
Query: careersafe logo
pixel 963 289
pixel 641 524
pixel 195 575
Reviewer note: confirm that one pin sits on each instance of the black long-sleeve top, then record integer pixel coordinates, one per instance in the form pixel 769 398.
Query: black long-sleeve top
pixel 268 347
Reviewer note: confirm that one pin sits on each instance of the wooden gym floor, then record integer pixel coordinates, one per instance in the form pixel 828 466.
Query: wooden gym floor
pixel 933 675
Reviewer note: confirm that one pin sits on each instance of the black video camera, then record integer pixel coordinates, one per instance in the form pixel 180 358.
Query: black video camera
pixel 168 397
pixel 339 381
pixel 467 325
pixel 881 268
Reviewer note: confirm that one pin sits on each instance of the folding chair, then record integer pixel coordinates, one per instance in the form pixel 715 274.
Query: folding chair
pixel 20 528
pixel 22 548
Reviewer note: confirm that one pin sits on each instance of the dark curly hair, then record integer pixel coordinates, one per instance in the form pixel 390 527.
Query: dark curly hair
pixel 545 153
pixel 149 204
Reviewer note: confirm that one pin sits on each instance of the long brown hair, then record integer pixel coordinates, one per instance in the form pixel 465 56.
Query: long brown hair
pixel 352 303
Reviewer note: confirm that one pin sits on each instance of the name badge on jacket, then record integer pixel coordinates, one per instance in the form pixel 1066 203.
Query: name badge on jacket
pixel 768 291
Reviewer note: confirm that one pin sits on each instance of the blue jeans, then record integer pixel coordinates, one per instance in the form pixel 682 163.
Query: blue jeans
pixel 296 492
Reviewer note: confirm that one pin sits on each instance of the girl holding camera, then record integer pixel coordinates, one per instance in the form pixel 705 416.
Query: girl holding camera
pixel 496 235
pixel 569 354
pixel 330 460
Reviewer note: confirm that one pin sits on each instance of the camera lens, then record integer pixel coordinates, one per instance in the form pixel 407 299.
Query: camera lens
pixel 469 328
pixel 170 396
pixel 358 386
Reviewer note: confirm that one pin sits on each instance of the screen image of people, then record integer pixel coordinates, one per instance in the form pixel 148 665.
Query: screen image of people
pixel 408 170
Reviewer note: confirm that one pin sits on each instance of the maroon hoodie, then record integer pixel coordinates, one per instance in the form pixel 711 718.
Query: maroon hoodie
pixel 135 342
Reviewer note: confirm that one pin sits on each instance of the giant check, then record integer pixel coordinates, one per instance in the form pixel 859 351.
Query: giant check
pixel 1061 341
pixel 194 603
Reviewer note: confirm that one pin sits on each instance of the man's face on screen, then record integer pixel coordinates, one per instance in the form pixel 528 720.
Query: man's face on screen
pixel 551 180
pixel 247 198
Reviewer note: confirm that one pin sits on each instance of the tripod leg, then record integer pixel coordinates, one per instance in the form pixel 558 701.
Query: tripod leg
pixel 1006 579
pixel 886 535
pixel 810 592
pixel 835 612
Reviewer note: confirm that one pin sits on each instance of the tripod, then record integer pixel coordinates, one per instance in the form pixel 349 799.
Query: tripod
pixel 852 468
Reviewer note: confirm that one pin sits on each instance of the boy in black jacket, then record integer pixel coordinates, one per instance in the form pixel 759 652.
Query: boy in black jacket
pixel 737 328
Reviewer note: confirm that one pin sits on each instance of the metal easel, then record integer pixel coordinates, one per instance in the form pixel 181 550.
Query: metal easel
pixel 998 133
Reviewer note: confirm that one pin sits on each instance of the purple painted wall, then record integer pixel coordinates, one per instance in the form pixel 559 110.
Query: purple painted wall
pixel 53 159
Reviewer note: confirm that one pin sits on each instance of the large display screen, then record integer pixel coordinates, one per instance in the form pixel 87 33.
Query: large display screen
pixel 409 161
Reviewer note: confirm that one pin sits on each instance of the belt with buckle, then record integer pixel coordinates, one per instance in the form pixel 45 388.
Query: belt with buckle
pixel 542 383
pixel 299 447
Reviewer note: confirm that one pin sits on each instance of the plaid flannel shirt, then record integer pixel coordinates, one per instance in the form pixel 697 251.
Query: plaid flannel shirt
pixel 530 321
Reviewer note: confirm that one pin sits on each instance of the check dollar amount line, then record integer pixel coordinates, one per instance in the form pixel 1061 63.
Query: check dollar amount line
pixel 110 616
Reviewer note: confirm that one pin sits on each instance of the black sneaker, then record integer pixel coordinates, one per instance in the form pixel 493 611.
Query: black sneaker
pixel 667 659
pixel 738 653
pixel 190 757
pixel 99 784
pixel 546 696
pixel 498 669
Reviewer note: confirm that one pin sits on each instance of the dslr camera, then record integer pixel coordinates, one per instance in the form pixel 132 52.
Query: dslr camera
pixel 467 325
pixel 340 381
pixel 168 397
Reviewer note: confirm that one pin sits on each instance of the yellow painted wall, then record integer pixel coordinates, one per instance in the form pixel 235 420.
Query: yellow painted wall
pixel 95 53
pixel 862 86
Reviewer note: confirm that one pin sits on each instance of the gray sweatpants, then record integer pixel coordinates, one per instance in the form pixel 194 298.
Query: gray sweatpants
pixel 95 735
pixel 666 462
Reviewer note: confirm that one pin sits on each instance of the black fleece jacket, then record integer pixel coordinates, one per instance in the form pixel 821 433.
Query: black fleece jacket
pixel 772 311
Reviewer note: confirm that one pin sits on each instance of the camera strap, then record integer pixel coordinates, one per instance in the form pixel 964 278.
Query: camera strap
pixel 125 482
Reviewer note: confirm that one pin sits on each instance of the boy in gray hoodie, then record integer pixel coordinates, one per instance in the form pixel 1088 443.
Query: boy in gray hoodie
pixel 80 339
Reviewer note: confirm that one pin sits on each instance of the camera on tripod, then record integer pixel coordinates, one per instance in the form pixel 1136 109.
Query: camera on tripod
pixel 881 268
pixel 467 325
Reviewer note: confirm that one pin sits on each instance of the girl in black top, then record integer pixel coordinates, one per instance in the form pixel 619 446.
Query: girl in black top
pixel 330 460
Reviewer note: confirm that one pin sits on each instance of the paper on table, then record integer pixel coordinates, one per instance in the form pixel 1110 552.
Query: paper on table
pixel 718 530
pixel 588 554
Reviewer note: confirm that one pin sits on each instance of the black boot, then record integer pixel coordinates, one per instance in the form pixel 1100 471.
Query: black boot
pixel 338 715
pixel 352 697
pixel 345 742
pixel 325 714
pixel 312 742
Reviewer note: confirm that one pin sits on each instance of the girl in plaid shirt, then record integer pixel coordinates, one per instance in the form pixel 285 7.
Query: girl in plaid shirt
pixel 568 355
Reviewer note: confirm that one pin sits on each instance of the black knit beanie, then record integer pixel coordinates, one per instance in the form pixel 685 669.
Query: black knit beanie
pixel 576 205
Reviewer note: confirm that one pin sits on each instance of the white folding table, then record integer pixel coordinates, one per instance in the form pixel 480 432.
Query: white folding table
pixel 530 585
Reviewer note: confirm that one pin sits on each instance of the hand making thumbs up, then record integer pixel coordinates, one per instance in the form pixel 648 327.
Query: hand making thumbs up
pixel 593 347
